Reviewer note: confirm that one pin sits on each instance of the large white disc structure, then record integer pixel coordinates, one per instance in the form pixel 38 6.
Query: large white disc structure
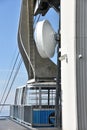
pixel 45 39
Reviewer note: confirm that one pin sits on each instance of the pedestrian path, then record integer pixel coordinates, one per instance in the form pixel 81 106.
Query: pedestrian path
pixel 7 124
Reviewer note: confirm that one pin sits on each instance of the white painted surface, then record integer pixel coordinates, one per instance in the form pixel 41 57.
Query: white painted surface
pixel 45 39
pixel 68 68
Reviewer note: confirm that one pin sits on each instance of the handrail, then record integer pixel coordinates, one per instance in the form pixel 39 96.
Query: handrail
pixel 5 104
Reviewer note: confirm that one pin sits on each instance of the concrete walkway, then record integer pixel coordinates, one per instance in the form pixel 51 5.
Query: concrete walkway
pixel 6 124
pixel 48 128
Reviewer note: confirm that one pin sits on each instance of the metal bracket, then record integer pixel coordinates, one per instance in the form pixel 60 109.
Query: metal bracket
pixel 63 57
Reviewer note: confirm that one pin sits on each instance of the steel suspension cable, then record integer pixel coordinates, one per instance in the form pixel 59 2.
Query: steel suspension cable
pixel 9 78
pixel 17 70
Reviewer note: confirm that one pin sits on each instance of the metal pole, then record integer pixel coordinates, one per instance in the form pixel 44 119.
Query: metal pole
pixel 40 102
pixel 58 88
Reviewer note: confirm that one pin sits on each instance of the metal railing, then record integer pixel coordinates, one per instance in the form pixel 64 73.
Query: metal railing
pixel 33 115
pixel 4 110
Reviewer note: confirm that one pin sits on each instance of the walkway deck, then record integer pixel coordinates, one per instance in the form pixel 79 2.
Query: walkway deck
pixel 7 124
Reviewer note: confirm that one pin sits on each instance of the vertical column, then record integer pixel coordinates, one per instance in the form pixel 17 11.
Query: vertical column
pixel 68 67
pixel 40 96
pixel 81 68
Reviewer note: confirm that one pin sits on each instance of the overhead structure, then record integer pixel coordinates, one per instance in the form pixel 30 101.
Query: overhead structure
pixel 74 69
pixel 34 63
pixel 42 72
pixel 42 6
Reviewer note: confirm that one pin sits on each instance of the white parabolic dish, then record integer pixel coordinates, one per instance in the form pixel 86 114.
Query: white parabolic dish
pixel 45 39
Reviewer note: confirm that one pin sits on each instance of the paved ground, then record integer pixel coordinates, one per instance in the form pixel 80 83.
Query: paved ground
pixel 6 124
pixel 48 129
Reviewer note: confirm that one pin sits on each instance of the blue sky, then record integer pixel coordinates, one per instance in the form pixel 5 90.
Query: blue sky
pixel 9 20
pixel 9 17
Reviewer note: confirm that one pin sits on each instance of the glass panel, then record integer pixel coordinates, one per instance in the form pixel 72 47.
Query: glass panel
pixel 52 96
pixel 44 97
pixel 32 97
pixel 35 97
